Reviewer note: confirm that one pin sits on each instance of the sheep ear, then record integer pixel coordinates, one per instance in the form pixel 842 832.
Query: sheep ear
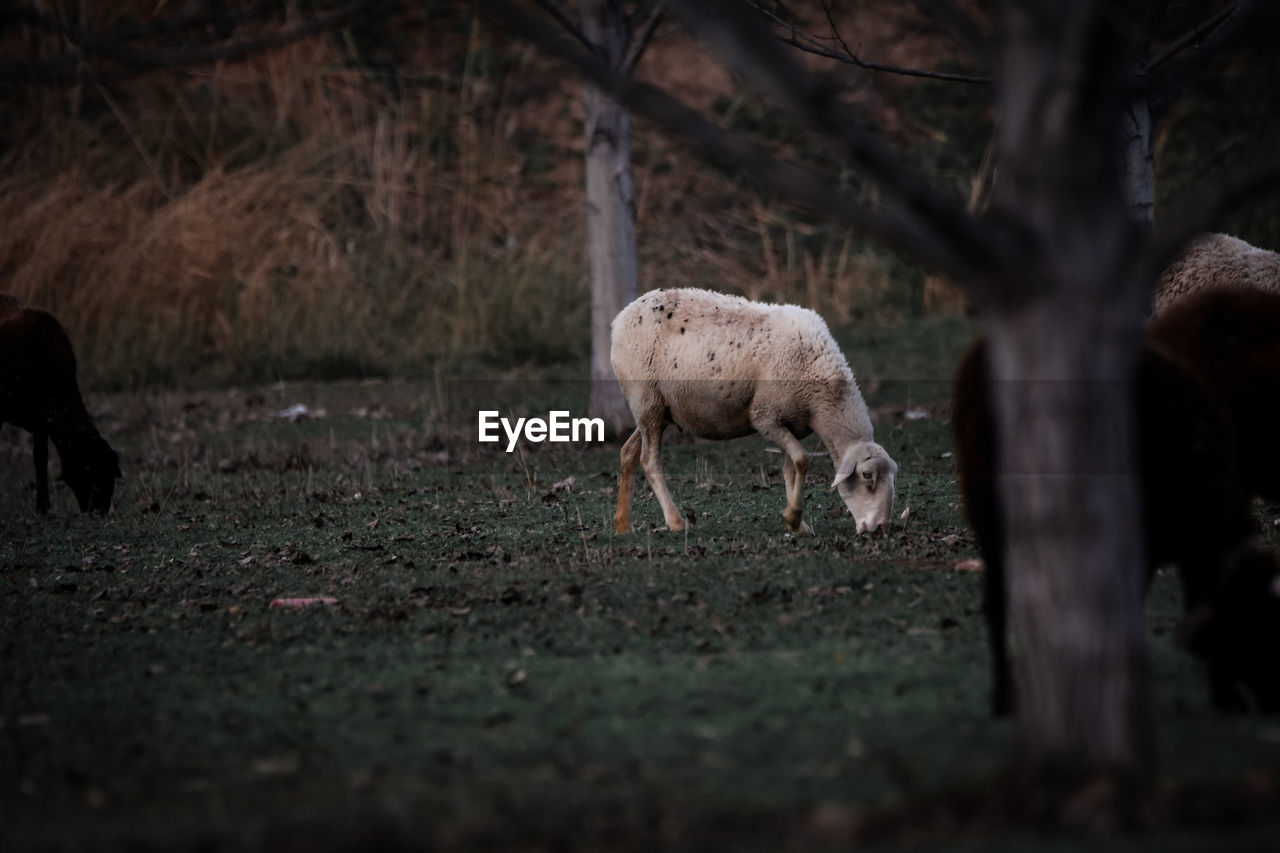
pixel 848 465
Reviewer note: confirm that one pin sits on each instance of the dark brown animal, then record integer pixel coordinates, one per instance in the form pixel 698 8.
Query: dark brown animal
pixel 39 393
pixel 1197 515
pixel 1229 339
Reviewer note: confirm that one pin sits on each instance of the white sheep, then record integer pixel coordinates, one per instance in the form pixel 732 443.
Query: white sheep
pixel 1215 260
pixel 721 366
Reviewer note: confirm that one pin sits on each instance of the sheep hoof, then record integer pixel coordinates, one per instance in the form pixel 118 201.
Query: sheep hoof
pixel 795 522
pixel 800 526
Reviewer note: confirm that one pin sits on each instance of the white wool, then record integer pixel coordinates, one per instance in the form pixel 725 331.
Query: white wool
pixel 1217 260
pixel 721 366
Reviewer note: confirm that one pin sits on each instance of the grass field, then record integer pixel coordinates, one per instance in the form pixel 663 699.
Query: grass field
pixel 500 671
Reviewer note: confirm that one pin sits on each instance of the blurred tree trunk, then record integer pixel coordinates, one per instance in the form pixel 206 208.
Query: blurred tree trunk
pixel 611 211
pixel 1064 345
pixel 1062 373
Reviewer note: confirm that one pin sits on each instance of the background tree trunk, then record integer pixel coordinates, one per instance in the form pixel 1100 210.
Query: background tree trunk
pixel 1139 158
pixel 611 212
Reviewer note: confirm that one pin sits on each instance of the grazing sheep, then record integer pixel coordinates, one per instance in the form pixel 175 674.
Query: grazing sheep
pixel 1197 514
pixel 721 366
pixel 1229 338
pixel 1213 260
pixel 39 393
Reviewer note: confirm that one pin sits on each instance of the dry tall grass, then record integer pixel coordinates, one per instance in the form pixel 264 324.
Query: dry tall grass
pixel 299 214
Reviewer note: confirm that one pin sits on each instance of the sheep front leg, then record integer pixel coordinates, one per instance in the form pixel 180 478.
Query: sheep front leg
pixel 795 463
pixel 40 453
pixel 626 480
pixel 793 478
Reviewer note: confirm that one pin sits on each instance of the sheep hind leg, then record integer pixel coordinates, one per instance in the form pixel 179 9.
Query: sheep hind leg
pixel 995 607
pixel 651 460
pixel 626 481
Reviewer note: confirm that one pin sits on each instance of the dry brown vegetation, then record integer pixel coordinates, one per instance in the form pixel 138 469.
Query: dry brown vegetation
pixel 323 210
pixel 389 197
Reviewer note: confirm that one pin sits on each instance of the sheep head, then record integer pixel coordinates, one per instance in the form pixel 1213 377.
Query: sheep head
pixel 865 479
pixel 1236 632
pixel 90 469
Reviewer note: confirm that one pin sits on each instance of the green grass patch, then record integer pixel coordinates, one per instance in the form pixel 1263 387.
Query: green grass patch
pixel 500 670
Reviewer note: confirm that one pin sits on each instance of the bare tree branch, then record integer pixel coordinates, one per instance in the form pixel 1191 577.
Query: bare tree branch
pixel 789 35
pixel 893 222
pixel 649 15
pixel 1213 43
pixel 115 45
pixel 566 21
pixel 1192 36
pixel 962 24
pixel 50 70
pixel 756 54
pixel 190 15
pixel 1254 174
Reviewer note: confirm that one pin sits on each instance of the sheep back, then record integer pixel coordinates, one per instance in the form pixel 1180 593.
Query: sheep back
pixel 38 381
pixel 1215 260
pixel 711 355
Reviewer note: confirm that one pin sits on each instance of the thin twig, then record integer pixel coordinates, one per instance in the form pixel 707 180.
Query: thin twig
pixel 899 224
pixel 565 20
pixel 1217 40
pixel 1251 175
pixel 789 35
pixel 1197 33
pixel 760 58
pixel 649 17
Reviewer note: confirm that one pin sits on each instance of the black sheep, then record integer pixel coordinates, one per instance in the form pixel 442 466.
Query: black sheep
pixel 1197 515
pixel 1229 339
pixel 39 393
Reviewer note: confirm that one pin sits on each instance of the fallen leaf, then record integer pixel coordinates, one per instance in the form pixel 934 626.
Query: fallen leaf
pixel 303 602
pixel 280 765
